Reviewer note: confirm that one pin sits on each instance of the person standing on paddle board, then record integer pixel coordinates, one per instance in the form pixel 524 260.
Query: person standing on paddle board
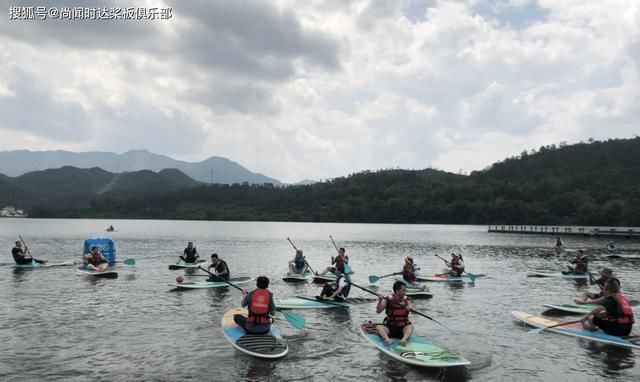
pixel 342 258
pixel 260 307
pixel 23 257
pixel 94 260
pixel 190 254
pixel 220 268
pixel 559 244
pixel 339 291
pixel 396 324
pixel 299 264
pixel 581 264
pixel 613 316
pixel 409 273
pixel 606 276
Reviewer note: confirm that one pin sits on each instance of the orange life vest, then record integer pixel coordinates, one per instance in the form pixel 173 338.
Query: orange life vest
pixel 259 308
pixel 397 315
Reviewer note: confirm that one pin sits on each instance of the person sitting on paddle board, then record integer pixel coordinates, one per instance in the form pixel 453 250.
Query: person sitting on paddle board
pixel 342 258
pixel 396 324
pixel 456 266
pixel 299 264
pixel 409 273
pixel 220 268
pixel 581 264
pixel 260 306
pixel 339 291
pixel 613 316
pixel 23 257
pixel 606 276
pixel 94 260
pixel 190 254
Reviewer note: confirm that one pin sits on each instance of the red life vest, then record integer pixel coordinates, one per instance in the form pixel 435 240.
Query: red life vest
pixel 625 313
pixel 259 308
pixel 339 260
pixel 408 274
pixel 397 315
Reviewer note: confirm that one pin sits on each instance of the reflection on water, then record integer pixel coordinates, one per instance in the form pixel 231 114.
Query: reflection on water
pixel 57 325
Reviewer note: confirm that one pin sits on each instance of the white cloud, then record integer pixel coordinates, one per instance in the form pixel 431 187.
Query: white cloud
pixel 321 89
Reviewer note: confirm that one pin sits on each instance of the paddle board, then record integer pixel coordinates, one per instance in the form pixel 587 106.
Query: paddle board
pixel 572 308
pixel 418 351
pixel 449 278
pixel 418 293
pixel 270 345
pixel 558 274
pixel 183 265
pixel 107 274
pixel 296 277
pixel 211 284
pixel 46 265
pixel 313 303
pixel 577 330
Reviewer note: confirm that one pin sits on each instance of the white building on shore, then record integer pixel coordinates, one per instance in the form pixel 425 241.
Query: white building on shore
pixel 12 212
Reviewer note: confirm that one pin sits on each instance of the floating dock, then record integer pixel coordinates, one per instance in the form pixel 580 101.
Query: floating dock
pixel 619 232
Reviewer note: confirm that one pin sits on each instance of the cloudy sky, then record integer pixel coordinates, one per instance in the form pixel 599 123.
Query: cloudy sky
pixel 319 89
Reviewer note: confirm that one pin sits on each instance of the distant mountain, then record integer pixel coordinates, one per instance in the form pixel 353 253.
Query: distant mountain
pixel 18 162
pixel 71 186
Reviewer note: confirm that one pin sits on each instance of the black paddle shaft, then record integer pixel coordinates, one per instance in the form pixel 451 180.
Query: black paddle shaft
pixel 334 244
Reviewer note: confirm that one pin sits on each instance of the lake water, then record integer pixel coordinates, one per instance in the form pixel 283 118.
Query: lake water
pixel 56 325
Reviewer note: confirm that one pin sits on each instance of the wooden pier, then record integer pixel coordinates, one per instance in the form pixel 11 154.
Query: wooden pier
pixel 618 232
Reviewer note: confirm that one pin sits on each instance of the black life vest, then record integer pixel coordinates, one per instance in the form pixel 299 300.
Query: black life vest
pixel 397 315
pixel 624 313
pixel 259 308
pixel 221 267
pixel 299 262
pixel 190 254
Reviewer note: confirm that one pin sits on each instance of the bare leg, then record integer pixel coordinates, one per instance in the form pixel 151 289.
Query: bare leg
pixel 383 332
pixel 406 333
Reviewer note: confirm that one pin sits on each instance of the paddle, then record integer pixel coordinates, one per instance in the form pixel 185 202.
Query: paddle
pixel 538 330
pixel 443 259
pixel 128 262
pixel 334 244
pixel 374 278
pixel 29 252
pixel 296 320
pixel 323 301
pixel 397 303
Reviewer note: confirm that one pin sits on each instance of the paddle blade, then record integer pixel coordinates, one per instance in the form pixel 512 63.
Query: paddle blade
pixel 472 277
pixel 373 279
pixel 129 262
pixel 296 320
pixel 536 330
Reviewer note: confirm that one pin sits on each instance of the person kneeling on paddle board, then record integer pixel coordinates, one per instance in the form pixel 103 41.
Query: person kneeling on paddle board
pixel 190 254
pixel 260 306
pixel 409 274
pixel 340 291
pixel 606 276
pixel 299 264
pixel 613 316
pixel 396 324
pixel 220 268
pixel 582 264
pixel 456 266
pixel 22 258
pixel 342 258
pixel 94 260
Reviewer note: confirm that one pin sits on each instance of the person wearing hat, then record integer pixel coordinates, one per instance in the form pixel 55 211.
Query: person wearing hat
pixel 299 264
pixel 409 274
pixel 581 264
pixel 613 315
pixel 606 277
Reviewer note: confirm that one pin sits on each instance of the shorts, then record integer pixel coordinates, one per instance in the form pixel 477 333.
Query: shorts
pixel 396 331
pixel 612 328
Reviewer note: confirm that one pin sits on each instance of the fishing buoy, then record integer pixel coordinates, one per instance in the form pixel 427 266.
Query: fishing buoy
pixel 179 279
pixel 611 247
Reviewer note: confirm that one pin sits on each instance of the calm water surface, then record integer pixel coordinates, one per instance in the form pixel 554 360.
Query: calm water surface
pixel 55 325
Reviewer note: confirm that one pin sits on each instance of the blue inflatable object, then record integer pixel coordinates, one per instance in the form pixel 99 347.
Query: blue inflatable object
pixel 105 245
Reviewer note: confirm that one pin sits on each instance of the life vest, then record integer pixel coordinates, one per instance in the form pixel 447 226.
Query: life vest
pixel 456 266
pixel 190 254
pixel 624 312
pixel 397 315
pixel 259 308
pixel 299 262
pixel 409 274
pixel 344 293
pixel 339 260
pixel 582 264
pixel 603 284
pixel 221 267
